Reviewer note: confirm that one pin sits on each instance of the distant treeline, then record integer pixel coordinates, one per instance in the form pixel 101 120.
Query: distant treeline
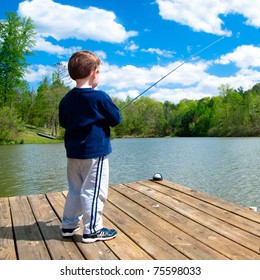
pixel 232 113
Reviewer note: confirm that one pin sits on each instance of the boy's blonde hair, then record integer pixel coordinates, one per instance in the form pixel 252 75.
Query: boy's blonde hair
pixel 82 63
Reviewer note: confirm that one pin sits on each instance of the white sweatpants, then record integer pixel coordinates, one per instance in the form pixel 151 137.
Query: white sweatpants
pixel 88 188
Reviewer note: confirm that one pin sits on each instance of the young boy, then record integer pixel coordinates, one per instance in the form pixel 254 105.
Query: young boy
pixel 87 114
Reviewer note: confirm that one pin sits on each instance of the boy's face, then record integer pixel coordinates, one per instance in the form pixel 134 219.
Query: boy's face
pixel 96 78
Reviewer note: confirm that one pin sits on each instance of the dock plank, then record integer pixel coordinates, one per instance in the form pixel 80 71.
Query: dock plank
pixel 123 246
pixel 224 228
pixel 7 246
pixel 148 241
pixel 157 220
pixel 184 243
pixel 58 247
pixel 29 242
pixel 219 243
pixel 227 206
pixel 235 215
pixel 96 251
pixel 129 251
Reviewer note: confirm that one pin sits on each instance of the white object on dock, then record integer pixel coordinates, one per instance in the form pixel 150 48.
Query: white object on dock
pixel 253 208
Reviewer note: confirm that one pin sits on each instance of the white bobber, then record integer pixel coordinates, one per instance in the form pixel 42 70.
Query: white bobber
pixel 157 177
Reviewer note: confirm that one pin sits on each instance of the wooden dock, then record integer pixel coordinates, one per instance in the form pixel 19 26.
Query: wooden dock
pixel 155 220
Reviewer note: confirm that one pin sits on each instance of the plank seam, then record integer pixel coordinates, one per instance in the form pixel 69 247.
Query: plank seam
pixel 129 236
pixel 45 243
pixel 56 213
pixel 148 229
pixel 195 238
pixel 129 185
pixel 13 231
pixel 203 200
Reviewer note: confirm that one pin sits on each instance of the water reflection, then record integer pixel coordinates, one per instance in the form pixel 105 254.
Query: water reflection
pixel 224 167
pixel 29 169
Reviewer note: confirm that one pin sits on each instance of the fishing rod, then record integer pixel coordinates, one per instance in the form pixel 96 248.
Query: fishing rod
pixel 169 73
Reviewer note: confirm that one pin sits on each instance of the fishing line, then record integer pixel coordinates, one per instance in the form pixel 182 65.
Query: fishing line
pixel 169 73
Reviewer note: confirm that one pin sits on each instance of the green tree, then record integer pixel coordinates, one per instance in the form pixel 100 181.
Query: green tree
pixel 46 103
pixel 202 117
pixel 252 110
pixel 23 101
pixel 37 114
pixel 232 110
pixel 168 111
pixel 17 38
pixel 9 127
pixel 184 118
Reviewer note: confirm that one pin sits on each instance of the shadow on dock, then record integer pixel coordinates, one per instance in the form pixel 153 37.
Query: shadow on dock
pixel 155 220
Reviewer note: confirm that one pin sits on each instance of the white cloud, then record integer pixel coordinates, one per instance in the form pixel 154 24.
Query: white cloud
pixel 176 95
pixel 243 56
pixel 101 54
pixel 204 16
pixel 122 95
pixel 43 45
pixel 121 53
pixel 64 22
pixel 124 77
pixel 36 73
pixel 157 51
pixel 130 76
pixel 207 87
pixel 130 81
pixel 190 81
pixel 131 46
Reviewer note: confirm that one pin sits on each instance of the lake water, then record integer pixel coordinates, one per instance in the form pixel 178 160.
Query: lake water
pixel 228 168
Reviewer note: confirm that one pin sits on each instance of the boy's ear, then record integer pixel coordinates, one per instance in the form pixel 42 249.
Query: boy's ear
pixel 94 72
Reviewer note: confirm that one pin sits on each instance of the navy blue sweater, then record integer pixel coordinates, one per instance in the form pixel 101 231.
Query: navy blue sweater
pixel 87 114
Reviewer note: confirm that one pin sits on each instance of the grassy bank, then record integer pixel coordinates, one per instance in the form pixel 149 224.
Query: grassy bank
pixel 30 136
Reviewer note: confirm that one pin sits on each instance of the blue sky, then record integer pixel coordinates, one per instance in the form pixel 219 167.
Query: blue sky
pixel 139 41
